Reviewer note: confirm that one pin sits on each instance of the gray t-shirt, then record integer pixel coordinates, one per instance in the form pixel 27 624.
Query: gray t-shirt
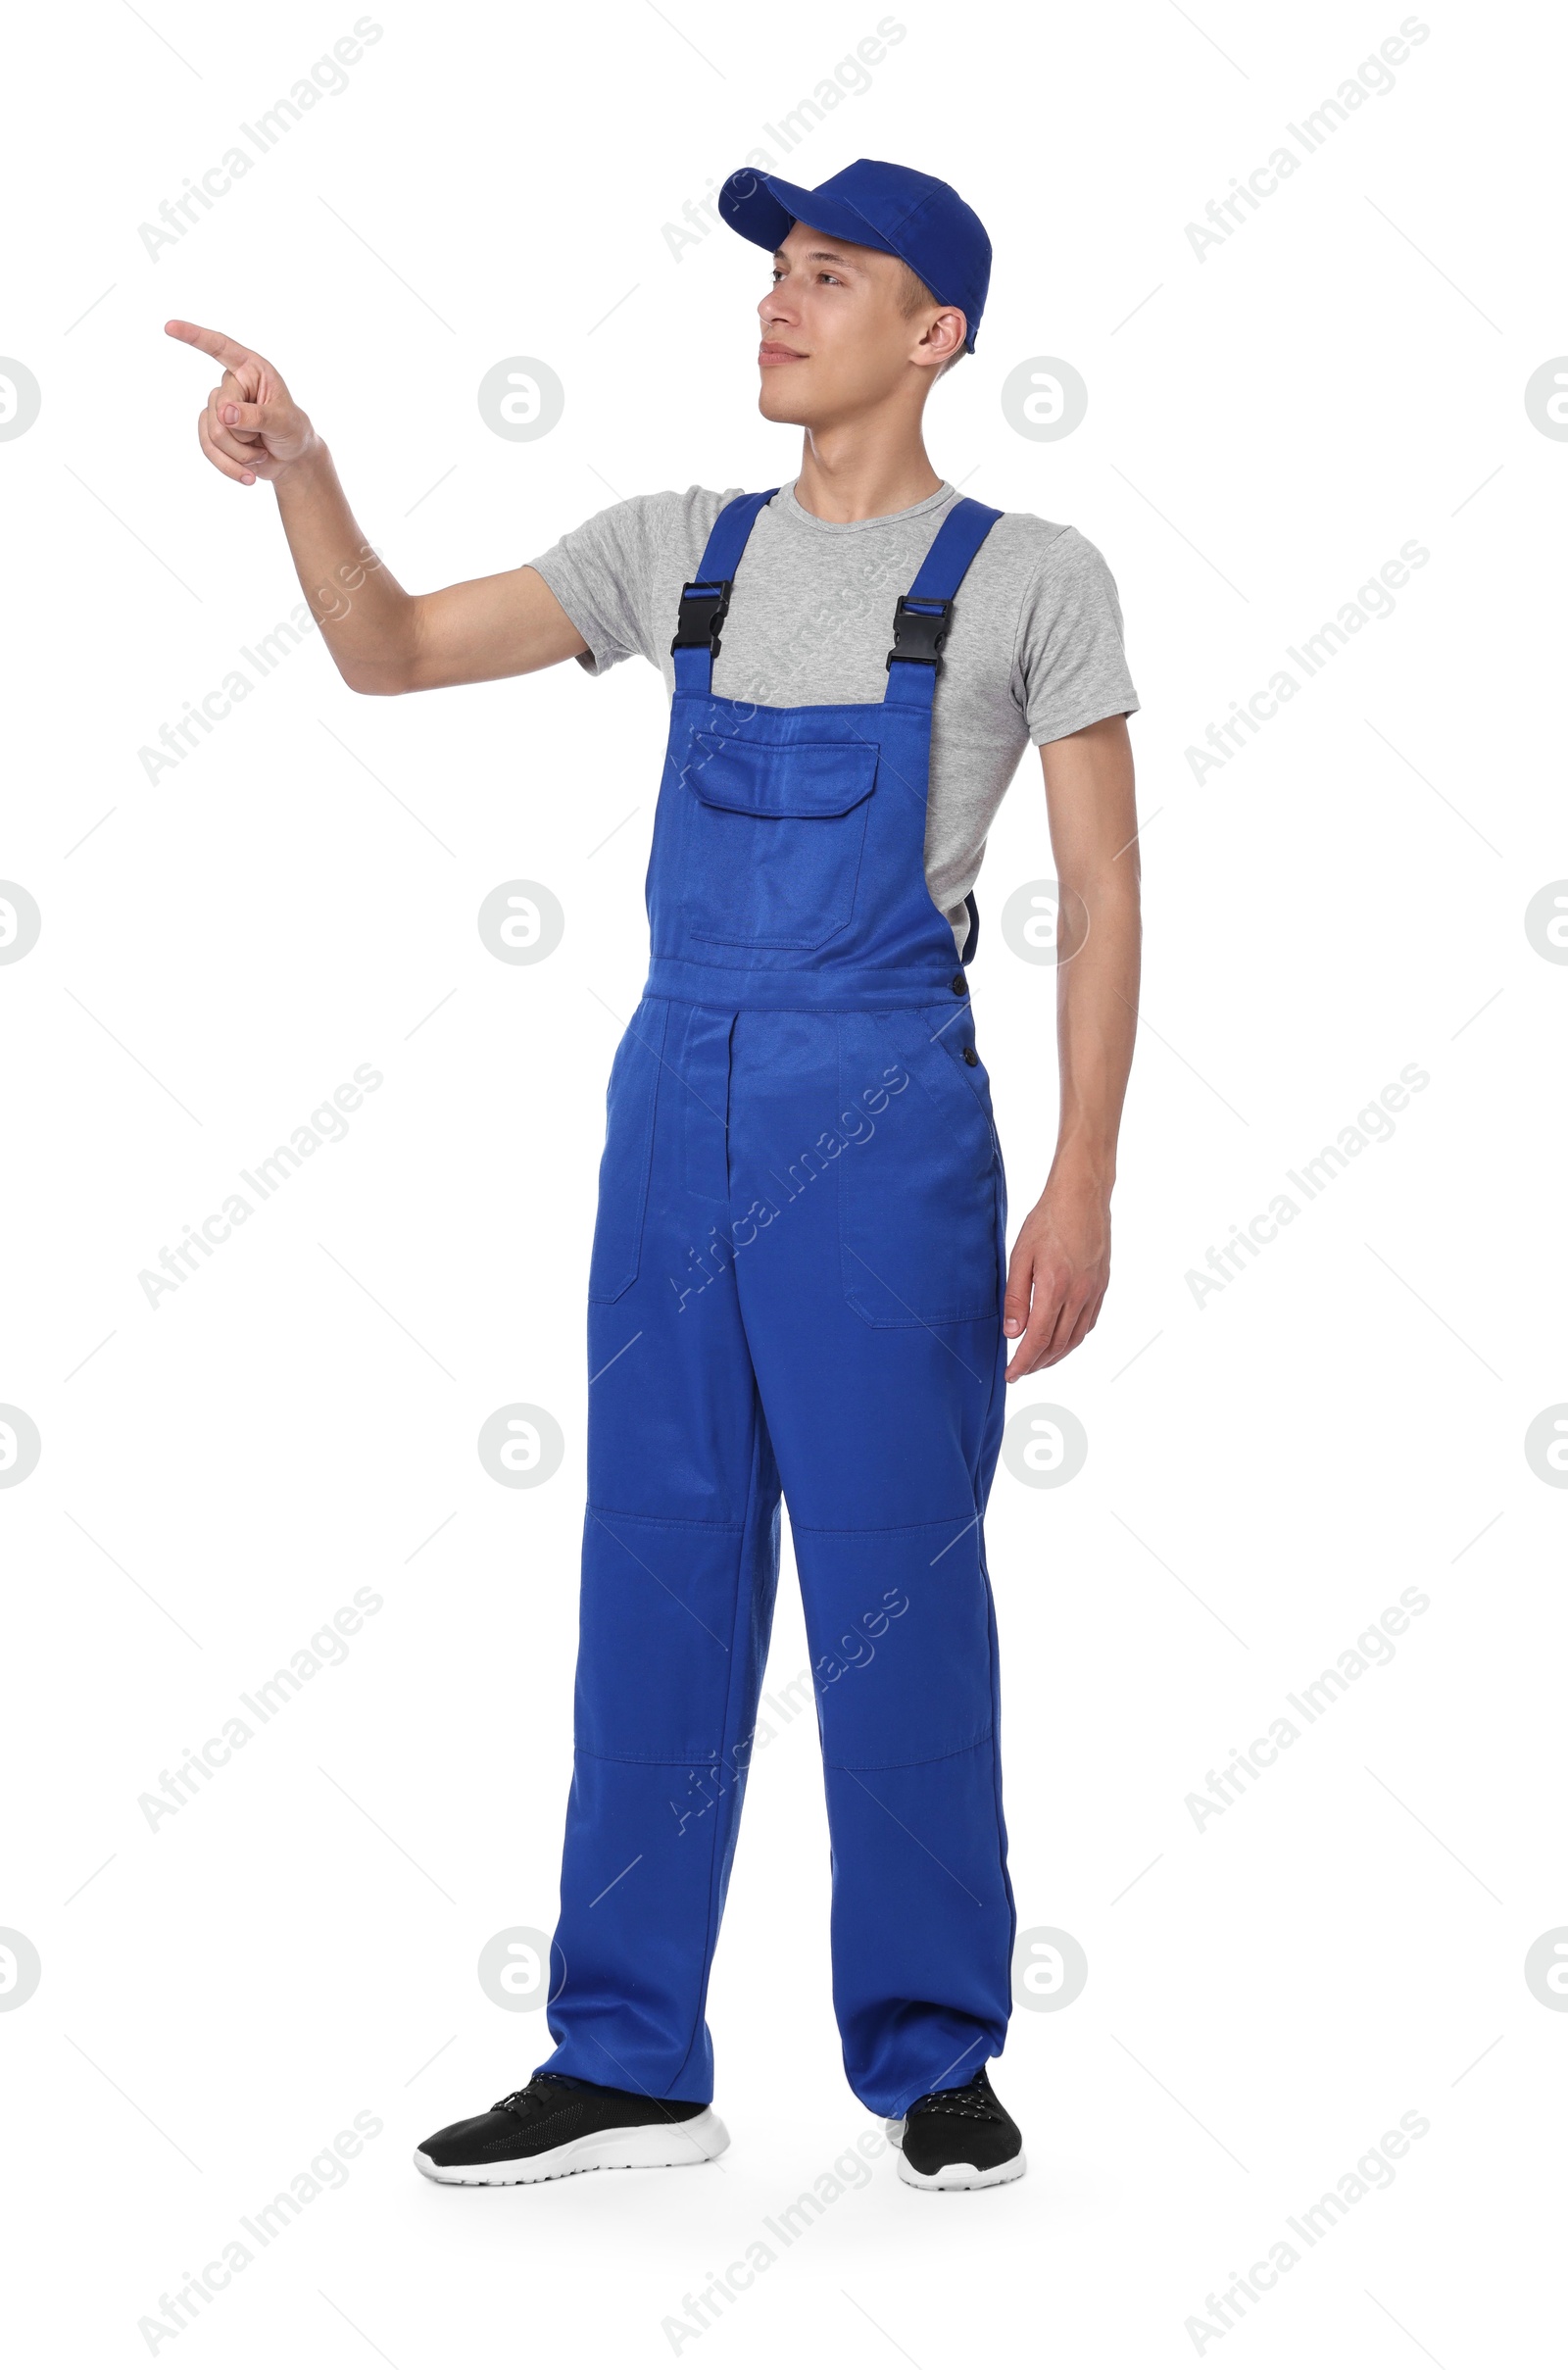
pixel 1035 648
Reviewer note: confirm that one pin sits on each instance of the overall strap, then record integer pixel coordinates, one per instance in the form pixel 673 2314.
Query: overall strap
pixel 923 614
pixel 705 601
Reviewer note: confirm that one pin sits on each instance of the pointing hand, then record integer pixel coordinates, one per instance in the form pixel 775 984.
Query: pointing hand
pixel 249 426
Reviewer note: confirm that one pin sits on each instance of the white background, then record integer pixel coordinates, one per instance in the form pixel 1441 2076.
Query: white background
pixel 221 948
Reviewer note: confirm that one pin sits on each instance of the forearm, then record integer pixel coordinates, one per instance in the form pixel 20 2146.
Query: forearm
pixel 1094 834
pixel 367 621
pixel 1097 1008
pixel 1097 1022
pixel 1060 1262
pixel 381 639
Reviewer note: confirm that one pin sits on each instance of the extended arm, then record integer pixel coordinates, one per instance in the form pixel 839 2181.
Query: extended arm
pixel 1060 1262
pixel 382 639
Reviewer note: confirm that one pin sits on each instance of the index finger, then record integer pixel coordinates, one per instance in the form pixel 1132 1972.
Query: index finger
pixel 210 341
pixel 1029 1348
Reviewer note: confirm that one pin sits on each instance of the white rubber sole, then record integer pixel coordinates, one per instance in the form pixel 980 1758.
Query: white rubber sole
pixel 953 2176
pixel 964 2176
pixel 639 2146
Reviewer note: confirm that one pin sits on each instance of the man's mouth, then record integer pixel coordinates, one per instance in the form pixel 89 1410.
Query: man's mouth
pixel 769 354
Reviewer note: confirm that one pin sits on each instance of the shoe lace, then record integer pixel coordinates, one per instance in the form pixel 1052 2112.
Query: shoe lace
pixel 539 2092
pixel 975 2098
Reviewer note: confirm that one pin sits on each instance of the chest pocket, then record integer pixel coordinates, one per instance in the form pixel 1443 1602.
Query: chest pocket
pixel 773 838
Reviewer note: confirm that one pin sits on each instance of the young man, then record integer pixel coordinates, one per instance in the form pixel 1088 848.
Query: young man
pixel 800 1280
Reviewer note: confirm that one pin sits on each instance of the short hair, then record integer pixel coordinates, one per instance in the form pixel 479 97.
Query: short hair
pixel 914 296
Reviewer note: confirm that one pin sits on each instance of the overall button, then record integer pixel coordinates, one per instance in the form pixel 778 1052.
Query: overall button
pixel 959 983
pixel 971 1057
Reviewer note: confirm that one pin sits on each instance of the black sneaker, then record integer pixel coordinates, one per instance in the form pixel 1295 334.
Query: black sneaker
pixel 557 2126
pixel 959 2139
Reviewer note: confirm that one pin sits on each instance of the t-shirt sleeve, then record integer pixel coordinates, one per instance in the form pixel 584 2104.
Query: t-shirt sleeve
pixel 1070 655
pixel 600 573
pixel 618 575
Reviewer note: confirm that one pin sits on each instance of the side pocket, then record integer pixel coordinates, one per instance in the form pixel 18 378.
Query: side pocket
pixel 631 1103
pixel 917 1198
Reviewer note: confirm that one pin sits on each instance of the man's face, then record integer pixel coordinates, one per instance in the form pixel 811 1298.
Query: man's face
pixel 835 338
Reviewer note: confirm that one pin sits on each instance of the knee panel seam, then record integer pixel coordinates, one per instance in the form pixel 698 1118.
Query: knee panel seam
pixel 667 1522
pixel 877 1530
pixel 920 1761
pixel 707 1758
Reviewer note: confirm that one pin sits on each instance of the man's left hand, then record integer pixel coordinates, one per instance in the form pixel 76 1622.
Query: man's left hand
pixel 1056 1276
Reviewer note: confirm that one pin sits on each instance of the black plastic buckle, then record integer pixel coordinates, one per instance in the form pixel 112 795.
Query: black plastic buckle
pixel 704 606
pixel 919 633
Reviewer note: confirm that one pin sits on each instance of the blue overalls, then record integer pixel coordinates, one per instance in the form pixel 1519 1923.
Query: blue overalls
pixel 797 1281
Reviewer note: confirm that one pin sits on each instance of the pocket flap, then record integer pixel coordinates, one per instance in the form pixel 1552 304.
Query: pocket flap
pixel 756 777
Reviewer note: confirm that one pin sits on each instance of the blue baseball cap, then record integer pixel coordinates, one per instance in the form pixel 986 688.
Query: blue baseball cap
pixel 922 221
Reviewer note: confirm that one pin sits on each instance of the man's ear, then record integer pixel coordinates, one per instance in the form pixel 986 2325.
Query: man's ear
pixel 945 340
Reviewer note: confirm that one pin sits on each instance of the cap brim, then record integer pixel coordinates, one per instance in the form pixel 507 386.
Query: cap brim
pixel 764 209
